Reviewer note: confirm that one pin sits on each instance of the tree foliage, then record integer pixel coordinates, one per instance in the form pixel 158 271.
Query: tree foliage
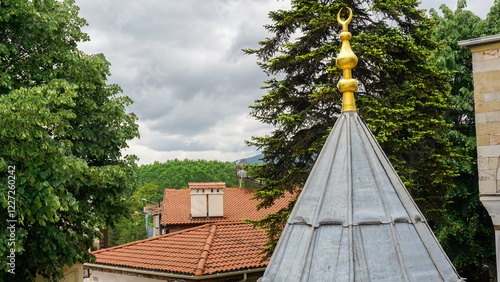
pixel 491 24
pixel 131 226
pixel 62 129
pixel 469 238
pixel 402 97
pixel 176 174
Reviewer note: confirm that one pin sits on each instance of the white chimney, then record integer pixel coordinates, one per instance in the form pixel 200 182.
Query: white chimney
pixel 216 202
pixel 199 203
pixel 207 199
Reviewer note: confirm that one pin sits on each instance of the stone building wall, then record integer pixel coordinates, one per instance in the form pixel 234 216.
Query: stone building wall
pixel 486 67
pixel 486 70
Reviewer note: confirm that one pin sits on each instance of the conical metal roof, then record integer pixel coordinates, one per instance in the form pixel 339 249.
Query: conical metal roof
pixel 355 220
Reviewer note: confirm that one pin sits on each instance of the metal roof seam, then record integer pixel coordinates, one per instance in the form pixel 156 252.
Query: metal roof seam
pixel 350 199
pixel 372 167
pixel 398 253
pixel 403 194
pixel 324 190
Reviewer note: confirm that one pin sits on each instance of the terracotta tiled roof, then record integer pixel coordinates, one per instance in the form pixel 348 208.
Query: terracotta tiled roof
pixel 237 206
pixel 153 209
pixel 206 249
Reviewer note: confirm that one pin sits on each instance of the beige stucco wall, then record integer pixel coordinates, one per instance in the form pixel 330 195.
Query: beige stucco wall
pixel 99 276
pixel 71 274
pixel 486 68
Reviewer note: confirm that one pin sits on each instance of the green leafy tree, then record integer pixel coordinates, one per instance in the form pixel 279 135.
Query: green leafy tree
pixel 131 226
pixel 62 129
pixel 491 23
pixel 469 237
pixel 133 229
pixel 151 192
pixel 402 96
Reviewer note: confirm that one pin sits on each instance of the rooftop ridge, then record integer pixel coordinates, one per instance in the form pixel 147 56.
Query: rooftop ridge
pixel 225 188
pixel 206 183
pixel 204 254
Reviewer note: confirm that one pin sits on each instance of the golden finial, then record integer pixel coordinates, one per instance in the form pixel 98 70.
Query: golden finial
pixel 347 60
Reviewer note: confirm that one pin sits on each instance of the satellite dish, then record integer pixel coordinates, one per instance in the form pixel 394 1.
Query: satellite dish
pixel 240 164
pixel 242 174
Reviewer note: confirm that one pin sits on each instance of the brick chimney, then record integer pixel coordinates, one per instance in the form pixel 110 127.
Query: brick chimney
pixel 207 199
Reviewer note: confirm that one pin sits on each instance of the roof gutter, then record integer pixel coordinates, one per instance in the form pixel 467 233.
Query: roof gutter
pixel 183 276
pixel 479 41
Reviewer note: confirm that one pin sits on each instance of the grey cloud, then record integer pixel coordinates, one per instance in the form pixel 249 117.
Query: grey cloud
pixel 182 64
pixel 181 61
pixel 169 143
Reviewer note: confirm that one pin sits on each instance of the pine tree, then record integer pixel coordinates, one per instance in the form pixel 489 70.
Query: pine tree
pixel 402 97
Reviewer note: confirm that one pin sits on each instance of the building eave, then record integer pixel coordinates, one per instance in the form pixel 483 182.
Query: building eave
pixel 474 42
pixel 170 274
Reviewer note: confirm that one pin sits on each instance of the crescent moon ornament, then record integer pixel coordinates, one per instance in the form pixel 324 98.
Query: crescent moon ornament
pixel 346 22
pixel 346 61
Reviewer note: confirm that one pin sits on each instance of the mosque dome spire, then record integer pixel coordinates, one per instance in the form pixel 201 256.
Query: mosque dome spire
pixel 347 60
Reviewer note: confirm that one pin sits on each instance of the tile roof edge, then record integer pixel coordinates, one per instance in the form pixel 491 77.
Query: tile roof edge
pixel 204 254
pixel 210 182
pixel 150 239
pixel 241 221
pixel 231 188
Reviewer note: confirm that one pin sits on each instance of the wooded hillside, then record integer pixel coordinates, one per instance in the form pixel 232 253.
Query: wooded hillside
pixel 176 173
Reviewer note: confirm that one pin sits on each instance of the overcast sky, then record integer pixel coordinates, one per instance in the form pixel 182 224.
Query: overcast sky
pixel 182 64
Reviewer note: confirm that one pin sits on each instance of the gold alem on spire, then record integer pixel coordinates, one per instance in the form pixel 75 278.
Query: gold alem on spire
pixel 347 60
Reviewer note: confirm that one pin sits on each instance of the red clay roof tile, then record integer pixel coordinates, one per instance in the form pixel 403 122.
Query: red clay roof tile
pixel 238 205
pixel 152 209
pixel 206 249
pixel 206 185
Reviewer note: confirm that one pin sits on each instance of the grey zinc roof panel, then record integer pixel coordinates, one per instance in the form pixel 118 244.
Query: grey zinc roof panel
pixel 355 220
pixel 376 189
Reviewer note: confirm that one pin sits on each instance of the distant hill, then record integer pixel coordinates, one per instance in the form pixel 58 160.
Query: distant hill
pixel 177 174
pixel 253 160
